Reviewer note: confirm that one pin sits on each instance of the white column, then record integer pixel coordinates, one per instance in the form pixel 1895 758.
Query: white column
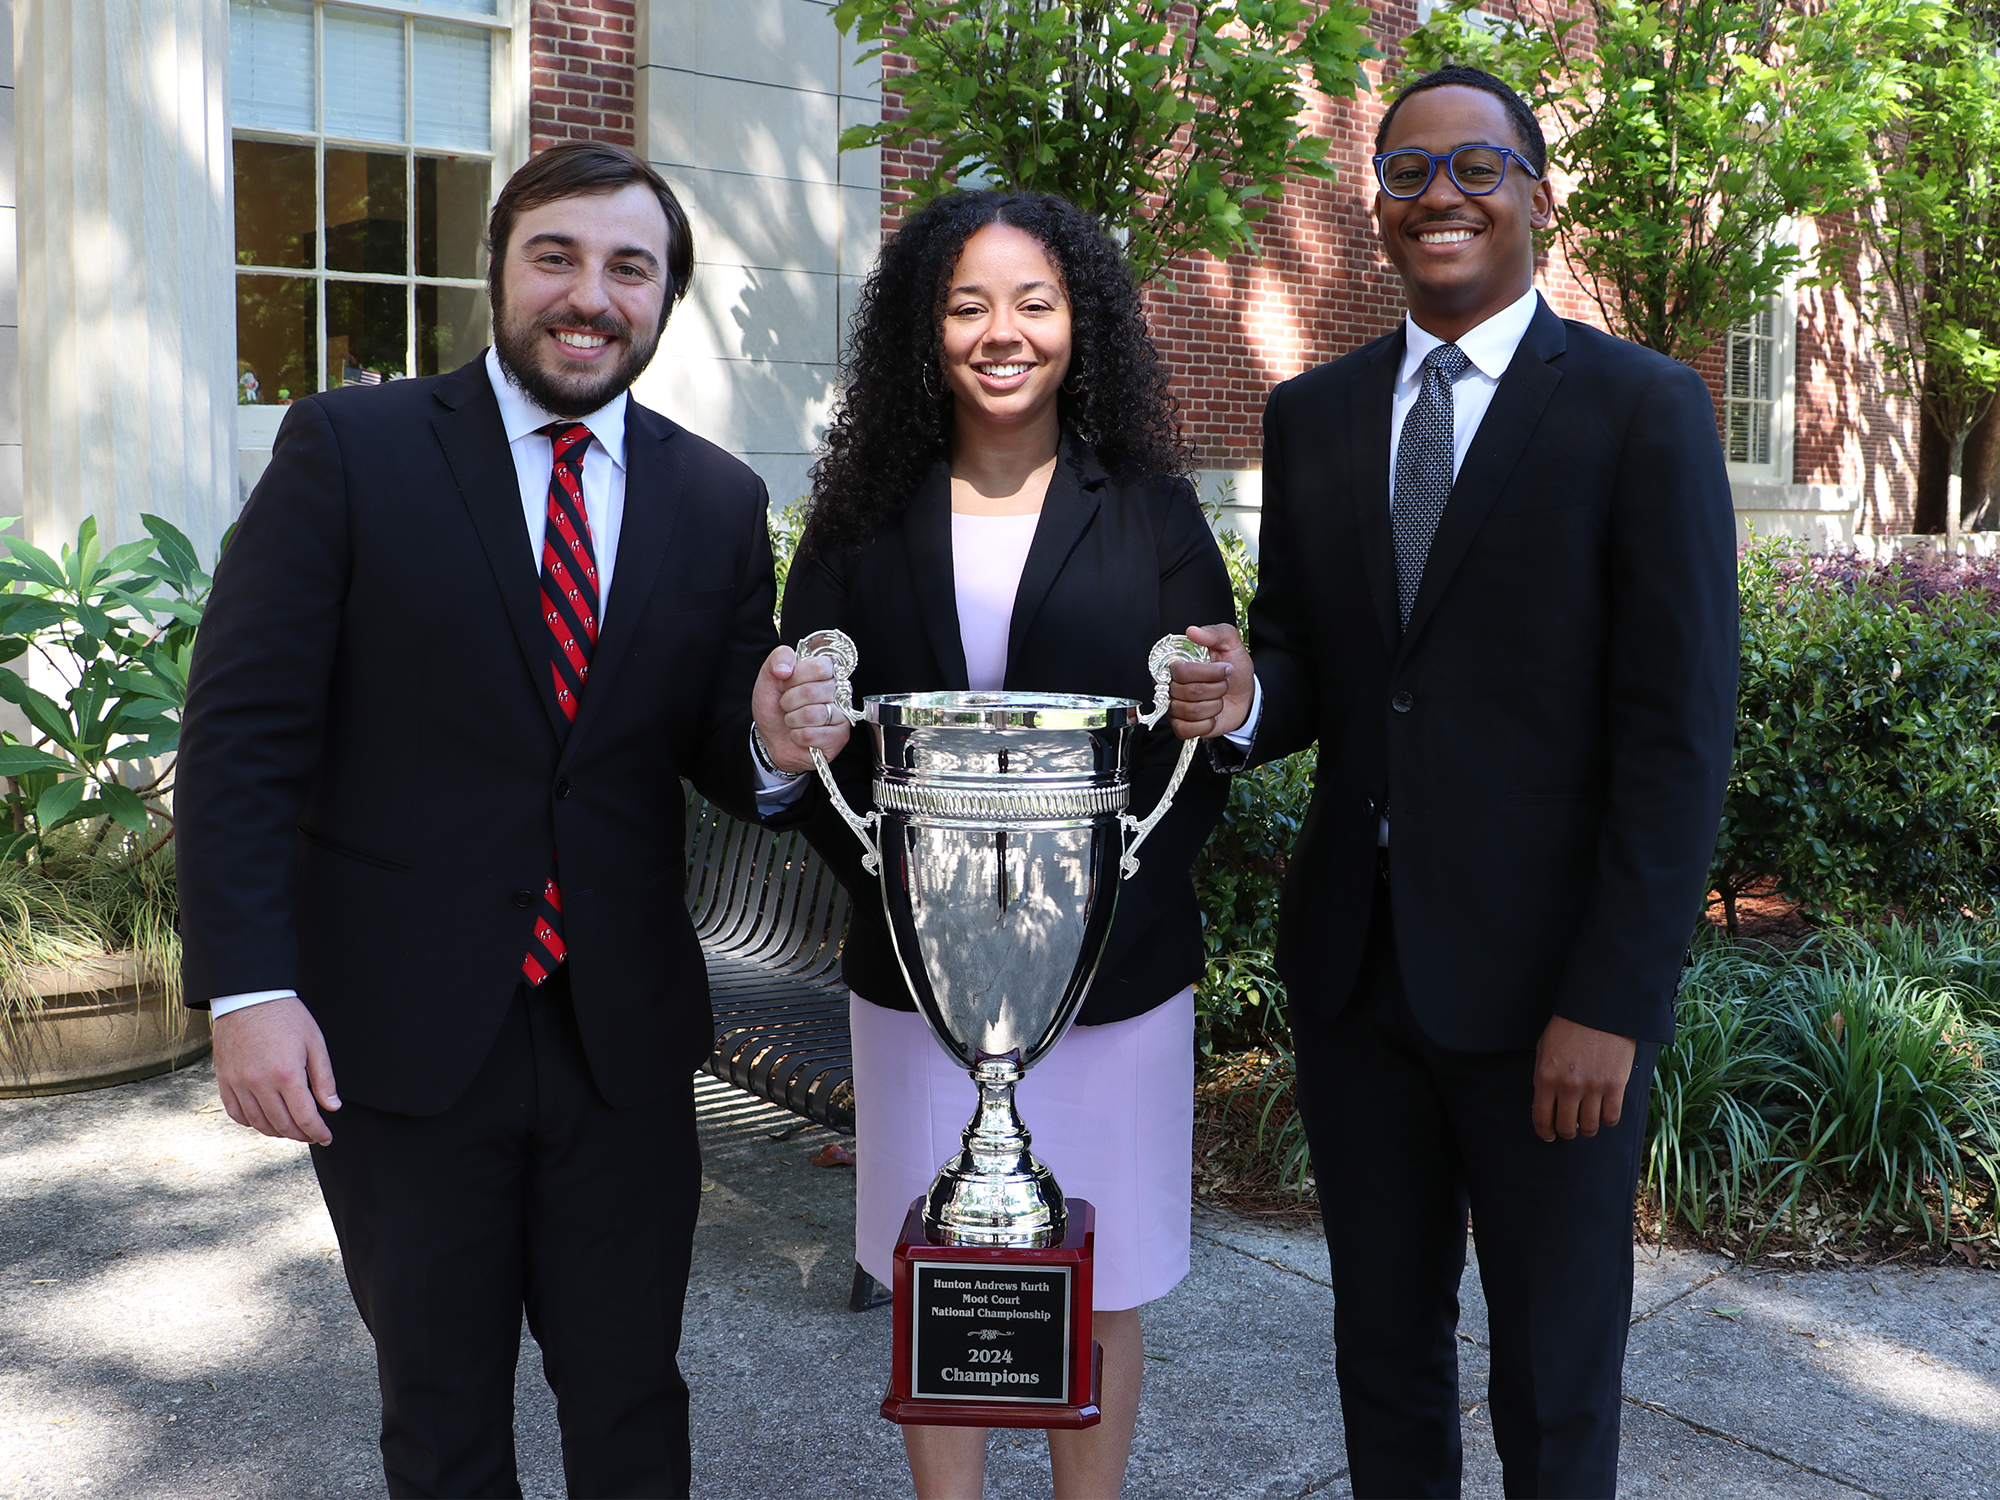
pixel 127 306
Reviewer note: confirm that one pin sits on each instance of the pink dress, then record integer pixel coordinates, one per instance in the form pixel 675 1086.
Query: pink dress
pixel 1111 1108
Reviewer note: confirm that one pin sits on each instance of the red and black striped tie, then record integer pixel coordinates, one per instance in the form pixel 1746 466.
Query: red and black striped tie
pixel 569 606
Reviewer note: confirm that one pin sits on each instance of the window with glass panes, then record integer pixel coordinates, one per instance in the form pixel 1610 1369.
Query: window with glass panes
pixel 1750 388
pixel 364 157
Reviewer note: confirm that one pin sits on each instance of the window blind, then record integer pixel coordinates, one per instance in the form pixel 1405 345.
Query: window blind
pixel 454 83
pixel 271 65
pixel 364 75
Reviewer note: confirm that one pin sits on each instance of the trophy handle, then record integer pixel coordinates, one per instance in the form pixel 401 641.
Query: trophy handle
pixel 1167 650
pixel 839 648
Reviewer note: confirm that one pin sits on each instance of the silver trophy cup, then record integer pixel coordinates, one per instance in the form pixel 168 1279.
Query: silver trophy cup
pixel 1000 835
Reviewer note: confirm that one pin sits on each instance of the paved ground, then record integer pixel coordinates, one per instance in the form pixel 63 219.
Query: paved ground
pixel 173 1323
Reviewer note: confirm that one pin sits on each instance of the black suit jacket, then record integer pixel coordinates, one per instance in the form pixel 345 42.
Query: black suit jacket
pixel 372 778
pixel 1551 736
pixel 1114 566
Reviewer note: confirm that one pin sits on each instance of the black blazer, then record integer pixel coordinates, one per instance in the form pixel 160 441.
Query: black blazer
pixel 1114 566
pixel 371 783
pixel 1551 737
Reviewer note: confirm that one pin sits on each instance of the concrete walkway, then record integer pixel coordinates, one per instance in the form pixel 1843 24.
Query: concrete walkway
pixel 173 1323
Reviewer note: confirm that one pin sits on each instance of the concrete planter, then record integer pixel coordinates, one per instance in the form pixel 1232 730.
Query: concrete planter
pixel 97 1023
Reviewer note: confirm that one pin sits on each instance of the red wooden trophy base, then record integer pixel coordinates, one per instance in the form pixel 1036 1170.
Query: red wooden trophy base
pixel 987 1309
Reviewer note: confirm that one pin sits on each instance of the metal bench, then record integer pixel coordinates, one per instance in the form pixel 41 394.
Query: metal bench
pixel 770 916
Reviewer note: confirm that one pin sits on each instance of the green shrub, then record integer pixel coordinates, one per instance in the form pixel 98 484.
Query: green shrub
pixel 89 891
pixel 118 627
pixel 786 525
pixel 1236 878
pixel 1261 1094
pixel 86 813
pixel 1961 953
pixel 1867 770
pixel 1238 1004
pixel 1720 1094
pixel 1897 1100
pixel 1859 1070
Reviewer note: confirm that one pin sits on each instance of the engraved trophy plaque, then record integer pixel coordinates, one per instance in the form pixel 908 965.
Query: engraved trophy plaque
pixel 1000 834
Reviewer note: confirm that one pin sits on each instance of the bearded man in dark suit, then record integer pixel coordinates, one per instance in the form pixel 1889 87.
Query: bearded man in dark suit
pixel 1498 591
pixel 470 634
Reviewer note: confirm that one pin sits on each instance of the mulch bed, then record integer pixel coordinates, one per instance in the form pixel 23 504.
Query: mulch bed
pixel 1764 914
pixel 1229 1169
pixel 1822 1237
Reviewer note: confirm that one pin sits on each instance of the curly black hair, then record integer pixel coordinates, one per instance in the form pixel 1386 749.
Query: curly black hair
pixel 892 421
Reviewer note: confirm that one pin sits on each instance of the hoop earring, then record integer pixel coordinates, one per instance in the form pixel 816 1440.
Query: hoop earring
pixel 925 377
pixel 1072 382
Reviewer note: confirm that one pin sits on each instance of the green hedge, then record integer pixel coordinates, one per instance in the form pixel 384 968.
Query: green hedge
pixel 1867 773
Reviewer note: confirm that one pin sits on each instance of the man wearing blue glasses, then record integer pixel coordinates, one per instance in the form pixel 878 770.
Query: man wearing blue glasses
pixel 1498 591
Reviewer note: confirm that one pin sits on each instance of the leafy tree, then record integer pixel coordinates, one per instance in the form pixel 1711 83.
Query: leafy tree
pixel 1174 120
pixel 1937 232
pixel 1693 133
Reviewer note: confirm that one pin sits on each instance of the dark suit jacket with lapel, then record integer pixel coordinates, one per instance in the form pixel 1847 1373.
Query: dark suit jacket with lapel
pixel 1114 566
pixel 1551 736
pixel 371 775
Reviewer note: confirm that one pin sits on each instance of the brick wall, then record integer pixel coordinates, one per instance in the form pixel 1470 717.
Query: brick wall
pixel 580 60
pixel 1847 428
pixel 899 165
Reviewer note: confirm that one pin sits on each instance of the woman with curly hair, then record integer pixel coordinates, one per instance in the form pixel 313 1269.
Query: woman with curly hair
pixel 1002 503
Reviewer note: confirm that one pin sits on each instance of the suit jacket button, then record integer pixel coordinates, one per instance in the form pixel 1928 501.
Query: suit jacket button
pixel 562 788
pixel 1402 703
pixel 524 899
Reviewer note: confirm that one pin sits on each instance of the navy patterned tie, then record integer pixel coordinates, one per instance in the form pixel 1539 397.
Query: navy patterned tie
pixel 570 609
pixel 1423 472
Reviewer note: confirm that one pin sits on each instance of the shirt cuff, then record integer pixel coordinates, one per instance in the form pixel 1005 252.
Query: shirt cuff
pixel 1248 732
pixel 222 1005
pixel 784 794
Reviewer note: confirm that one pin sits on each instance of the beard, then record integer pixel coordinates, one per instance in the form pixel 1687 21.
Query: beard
pixel 522 347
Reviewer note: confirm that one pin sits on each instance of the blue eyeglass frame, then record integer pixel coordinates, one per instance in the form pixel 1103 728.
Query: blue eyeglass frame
pixel 1507 154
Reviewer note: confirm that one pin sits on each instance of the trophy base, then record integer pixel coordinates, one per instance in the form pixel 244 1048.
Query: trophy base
pixel 995 1336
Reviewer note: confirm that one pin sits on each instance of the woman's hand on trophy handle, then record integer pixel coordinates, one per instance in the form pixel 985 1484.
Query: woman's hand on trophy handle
pixel 793 705
pixel 1213 697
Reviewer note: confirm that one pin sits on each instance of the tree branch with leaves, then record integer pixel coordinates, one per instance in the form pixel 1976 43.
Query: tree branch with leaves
pixel 1693 134
pixel 1176 121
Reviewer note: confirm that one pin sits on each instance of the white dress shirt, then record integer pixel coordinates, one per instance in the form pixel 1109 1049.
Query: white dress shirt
pixel 1490 348
pixel 604 513
pixel 534 459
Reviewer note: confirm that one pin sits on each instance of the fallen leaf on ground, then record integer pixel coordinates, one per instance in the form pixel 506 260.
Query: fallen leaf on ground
pixel 833 1154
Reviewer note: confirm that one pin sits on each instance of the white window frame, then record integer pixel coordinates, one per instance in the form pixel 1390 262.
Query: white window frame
pixel 511 136
pixel 1784 309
